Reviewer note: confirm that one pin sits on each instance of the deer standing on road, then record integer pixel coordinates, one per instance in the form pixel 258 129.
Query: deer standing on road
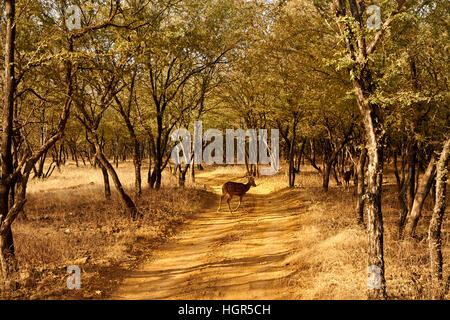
pixel 231 189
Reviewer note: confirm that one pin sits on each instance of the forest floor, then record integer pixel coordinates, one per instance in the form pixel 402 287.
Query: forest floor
pixel 299 243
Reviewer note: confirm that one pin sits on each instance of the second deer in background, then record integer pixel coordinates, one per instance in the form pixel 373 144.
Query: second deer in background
pixel 348 174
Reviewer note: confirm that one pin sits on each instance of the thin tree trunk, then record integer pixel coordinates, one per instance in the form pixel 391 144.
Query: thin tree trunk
pixel 130 207
pixel 106 182
pixel 434 232
pixel 422 192
pixel 412 161
pixel 336 178
pixel 360 186
pixel 7 254
pixel 326 175
pixel 402 186
pixel 193 172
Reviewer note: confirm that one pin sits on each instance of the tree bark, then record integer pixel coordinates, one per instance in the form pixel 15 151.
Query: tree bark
pixel 136 146
pixel 412 161
pixel 422 192
pixel 130 207
pixel 106 182
pixel 375 135
pixel 360 186
pixel 7 244
pixel 359 52
pixel 434 232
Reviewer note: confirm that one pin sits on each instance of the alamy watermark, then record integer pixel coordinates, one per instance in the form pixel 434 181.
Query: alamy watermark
pixel 374 20
pixel 73 17
pixel 213 153
pixel 374 278
pixel 74 280
pixel 74 13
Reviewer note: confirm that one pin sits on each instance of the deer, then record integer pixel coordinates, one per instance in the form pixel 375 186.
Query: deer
pixel 230 189
pixel 347 176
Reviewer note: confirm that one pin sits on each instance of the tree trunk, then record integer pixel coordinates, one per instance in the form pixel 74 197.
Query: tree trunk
pixel 375 217
pixel 360 186
pixel 291 168
pixel 106 182
pixel 130 207
pixel 7 250
pixel 182 175
pixel 149 172
pixel 412 161
pixel 372 117
pixel 375 136
pixel 137 168
pixel 434 232
pixel 155 179
pixel 336 178
pixel 422 192
pixel 402 186
pixel 193 173
pixel 326 175
pixel 7 256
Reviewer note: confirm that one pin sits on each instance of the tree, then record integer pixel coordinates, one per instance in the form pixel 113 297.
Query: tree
pixel 434 232
pixel 349 16
pixel 16 173
pixel 96 95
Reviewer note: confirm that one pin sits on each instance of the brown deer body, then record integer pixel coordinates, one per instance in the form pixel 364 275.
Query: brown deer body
pixel 347 176
pixel 230 189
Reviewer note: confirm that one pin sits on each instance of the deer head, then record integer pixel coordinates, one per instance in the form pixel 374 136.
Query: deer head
pixel 251 181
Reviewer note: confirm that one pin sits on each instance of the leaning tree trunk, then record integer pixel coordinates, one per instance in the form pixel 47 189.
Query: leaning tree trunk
pixel 434 232
pixel 106 182
pixel 130 207
pixel 422 192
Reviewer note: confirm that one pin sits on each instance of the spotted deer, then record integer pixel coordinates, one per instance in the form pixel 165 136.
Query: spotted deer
pixel 230 189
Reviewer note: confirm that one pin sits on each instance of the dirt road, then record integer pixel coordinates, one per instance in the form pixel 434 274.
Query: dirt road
pixel 244 255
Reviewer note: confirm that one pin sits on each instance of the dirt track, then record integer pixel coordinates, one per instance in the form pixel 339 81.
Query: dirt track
pixel 244 255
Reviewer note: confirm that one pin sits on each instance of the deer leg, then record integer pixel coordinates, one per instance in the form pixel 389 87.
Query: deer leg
pixel 238 206
pixel 220 203
pixel 228 201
